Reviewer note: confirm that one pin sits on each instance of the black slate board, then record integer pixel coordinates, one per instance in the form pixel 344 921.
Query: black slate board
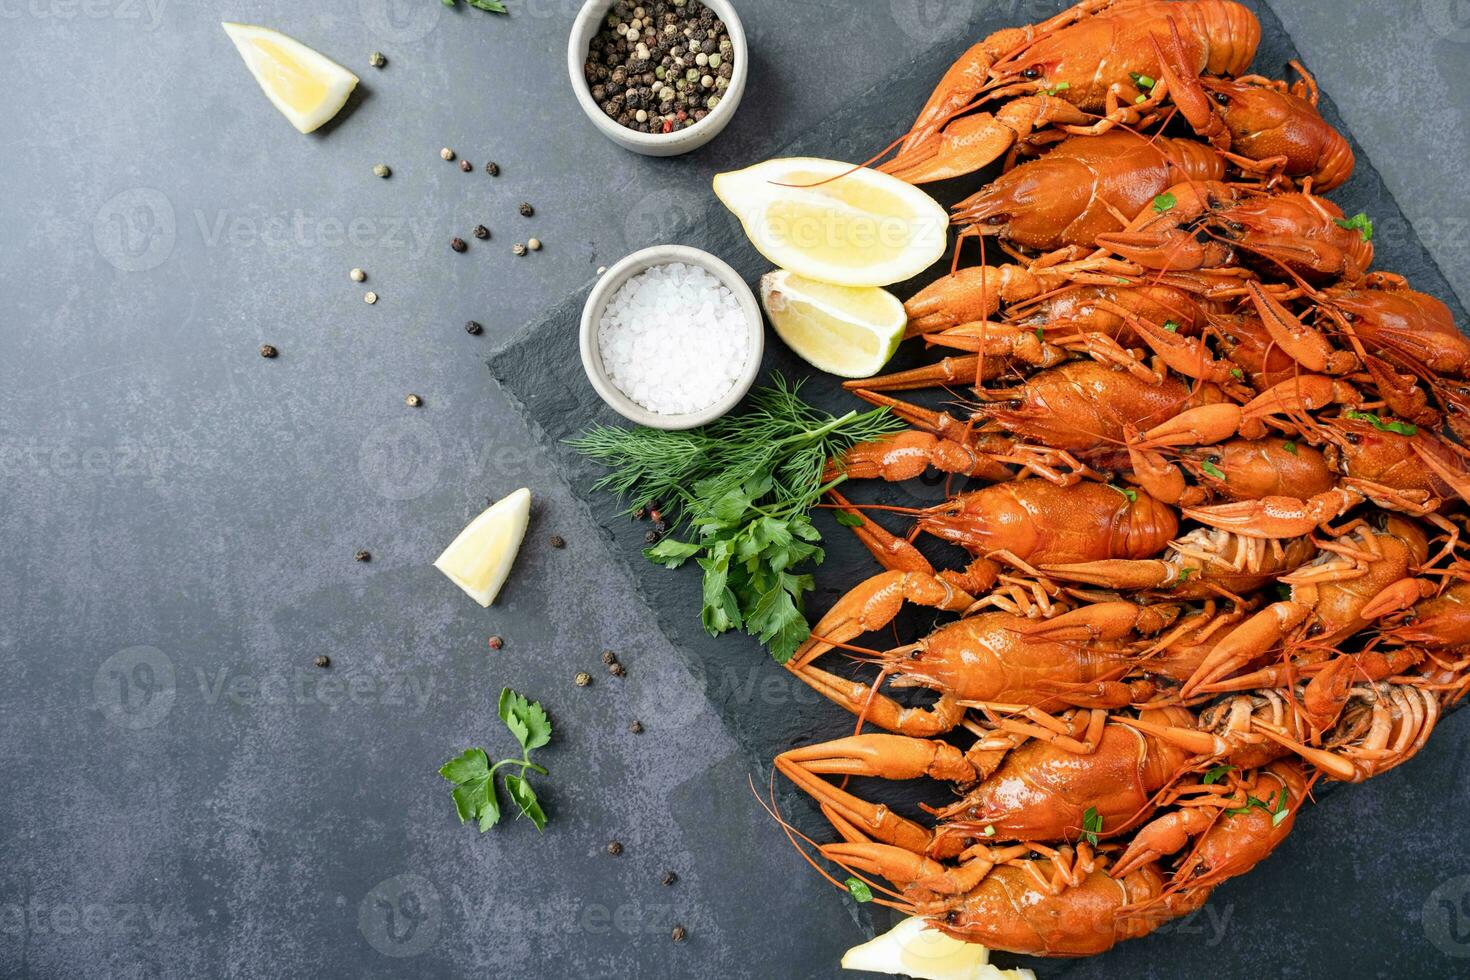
pixel 762 706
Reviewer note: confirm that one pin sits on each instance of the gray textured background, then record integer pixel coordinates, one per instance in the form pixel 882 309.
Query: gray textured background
pixel 182 794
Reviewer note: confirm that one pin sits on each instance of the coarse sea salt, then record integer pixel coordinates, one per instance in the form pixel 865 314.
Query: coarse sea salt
pixel 674 339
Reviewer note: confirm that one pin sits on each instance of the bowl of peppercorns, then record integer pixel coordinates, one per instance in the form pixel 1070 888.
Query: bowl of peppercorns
pixel 658 77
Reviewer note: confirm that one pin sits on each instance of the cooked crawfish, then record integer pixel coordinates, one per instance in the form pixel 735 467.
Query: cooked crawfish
pixel 1077 71
pixel 1084 187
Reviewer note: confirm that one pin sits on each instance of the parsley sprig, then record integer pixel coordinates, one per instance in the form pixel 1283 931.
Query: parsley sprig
pixel 1381 424
pixel 1092 825
pixel 492 6
pixel 475 793
pixel 739 490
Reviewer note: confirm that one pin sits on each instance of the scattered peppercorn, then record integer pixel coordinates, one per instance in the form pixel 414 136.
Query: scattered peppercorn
pixel 583 678
pixel 413 401
pixel 267 351
pixel 534 244
pixel 651 537
pixel 492 168
pixel 526 210
pixel 518 249
pixel 458 244
pixel 481 232
pixel 357 275
pixel 679 934
pixel 323 661
pixel 496 643
pixel 617 670
pixel 377 60
pixel 557 541
pixel 466 166
pixel 381 170
pixel 636 728
pixel 446 154
pixel 363 555
pixel 608 657
pixel 615 848
pixel 669 878
pixel 472 328
pixel 370 298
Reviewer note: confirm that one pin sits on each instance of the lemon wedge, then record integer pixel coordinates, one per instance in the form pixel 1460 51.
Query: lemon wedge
pixel 828 221
pixel 480 558
pixel 849 331
pixel 308 87
pixel 927 954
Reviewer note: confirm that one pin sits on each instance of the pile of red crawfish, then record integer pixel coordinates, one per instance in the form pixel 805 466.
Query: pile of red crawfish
pixel 1219 552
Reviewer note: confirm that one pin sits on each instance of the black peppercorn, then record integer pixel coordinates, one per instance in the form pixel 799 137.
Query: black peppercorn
pixel 323 660
pixel 492 168
pixel 617 670
pixel 615 848
pixel 363 555
pixel 472 328
pixel 679 934
pixel 651 537
pixel 526 210
pixel 481 232
pixel 458 244
pixel 267 351
pixel 557 541
pixel 636 728
pixel 669 878
pixel 608 657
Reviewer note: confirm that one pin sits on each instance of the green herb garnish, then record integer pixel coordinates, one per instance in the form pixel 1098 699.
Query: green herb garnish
pixel 1041 334
pixel 1289 446
pixel 1211 469
pixel 1171 326
pixel 1360 223
pixel 848 520
pixel 1092 825
pixel 1164 202
pixel 740 488
pixel 1184 574
pixel 1279 811
pixel 990 830
pixel 1382 425
pixel 859 889
pixel 1055 89
pixel 1142 81
pixel 475 796
pixel 493 6
pixel 1218 773
pixel 1132 495
pixel 1237 373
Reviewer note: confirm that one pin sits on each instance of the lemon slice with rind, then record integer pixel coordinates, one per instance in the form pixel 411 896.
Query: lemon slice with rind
pixel 829 221
pixel 849 331
pixel 923 953
pixel 308 87
pixel 479 560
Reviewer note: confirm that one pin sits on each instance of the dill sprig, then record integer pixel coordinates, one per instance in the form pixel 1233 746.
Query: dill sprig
pixel 742 487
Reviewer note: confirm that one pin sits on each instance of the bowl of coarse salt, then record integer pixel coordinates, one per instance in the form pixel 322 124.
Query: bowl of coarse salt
pixel 671 337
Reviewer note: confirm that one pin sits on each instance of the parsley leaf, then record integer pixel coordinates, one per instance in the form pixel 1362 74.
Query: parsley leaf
pixel 1218 773
pixel 1057 88
pixel 1092 825
pixel 1132 495
pixel 1391 425
pixel 525 797
pixel 475 794
pixel 1360 223
pixel 1164 202
pixel 492 6
pixel 1289 446
pixel 526 719
pixel 1171 326
pixel 1211 469
pixel 849 520
pixel 1184 574
pixel 859 889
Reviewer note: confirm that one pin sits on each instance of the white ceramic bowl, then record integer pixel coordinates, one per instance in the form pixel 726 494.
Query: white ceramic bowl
pixel 609 284
pixel 585 27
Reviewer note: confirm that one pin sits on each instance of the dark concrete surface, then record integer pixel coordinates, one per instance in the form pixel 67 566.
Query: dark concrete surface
pixel 182 794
